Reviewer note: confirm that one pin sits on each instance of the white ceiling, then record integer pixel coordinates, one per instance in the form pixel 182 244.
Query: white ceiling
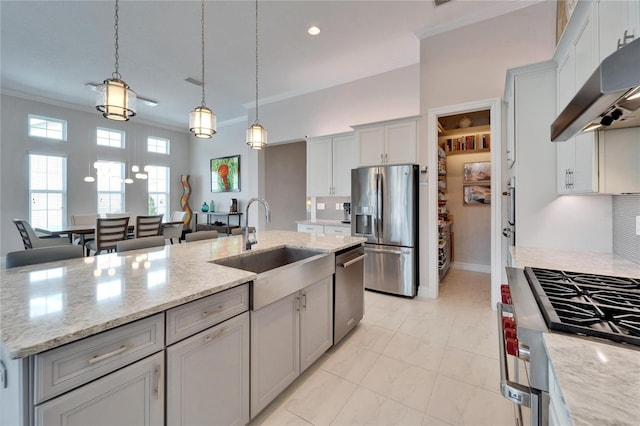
pixel 51 49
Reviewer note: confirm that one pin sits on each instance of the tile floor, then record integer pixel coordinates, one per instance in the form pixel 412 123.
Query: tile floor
pixel 409 362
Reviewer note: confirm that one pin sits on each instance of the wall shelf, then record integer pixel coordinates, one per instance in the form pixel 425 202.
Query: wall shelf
pixel 469 140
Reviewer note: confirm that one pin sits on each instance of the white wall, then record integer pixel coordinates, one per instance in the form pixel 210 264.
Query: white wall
pixel 469 64
pixel 80 150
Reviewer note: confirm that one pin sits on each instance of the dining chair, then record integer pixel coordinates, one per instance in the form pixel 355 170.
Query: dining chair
pixel 84 219
pixel 140 243
pixel 201 235
pixel 148 226
pixel 31 240
pixel 108 232
pixel 42 255
pixel 175 230
pixel 240 231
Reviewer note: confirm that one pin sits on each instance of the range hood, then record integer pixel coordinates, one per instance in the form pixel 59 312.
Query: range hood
pixel 609 99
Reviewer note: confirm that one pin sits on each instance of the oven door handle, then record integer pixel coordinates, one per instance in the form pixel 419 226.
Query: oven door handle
pixel 513 391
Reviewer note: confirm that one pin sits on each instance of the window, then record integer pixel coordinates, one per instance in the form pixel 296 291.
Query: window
pixel 47 190
pixel 110 137
pixel 44 127
pixel 159 145
pixel 158 184
pixel 110 187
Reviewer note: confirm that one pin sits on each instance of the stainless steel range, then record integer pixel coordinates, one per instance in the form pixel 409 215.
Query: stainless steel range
pixel 539 300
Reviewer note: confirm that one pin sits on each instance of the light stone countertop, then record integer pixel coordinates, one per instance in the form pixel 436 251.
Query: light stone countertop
pixel 600 382
pixel 48 305
pixel 325 222
pixel 578 261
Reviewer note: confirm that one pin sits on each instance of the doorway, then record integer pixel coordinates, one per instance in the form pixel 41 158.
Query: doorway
pixel 463 191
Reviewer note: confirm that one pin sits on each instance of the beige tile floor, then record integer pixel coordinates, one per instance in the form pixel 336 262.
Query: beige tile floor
pixel 409 362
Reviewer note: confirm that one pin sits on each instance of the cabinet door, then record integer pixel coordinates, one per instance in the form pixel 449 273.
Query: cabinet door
pixel 614 18
pixel 133 395
pixel 619 160
pixel 586 163
pixel 275 350
pixel 586 49
pixel 566 150
pixel 370 146
pixel 319 168
pixel 208 376
pixel 401 144
pixel 316 321
pixel 344 159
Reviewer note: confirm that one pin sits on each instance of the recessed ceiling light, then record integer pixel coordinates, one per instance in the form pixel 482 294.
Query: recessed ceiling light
pixel 313 30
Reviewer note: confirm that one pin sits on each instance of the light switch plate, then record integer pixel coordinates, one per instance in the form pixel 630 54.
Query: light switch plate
pixel 320 206
pixel 338 206
pixel 637 225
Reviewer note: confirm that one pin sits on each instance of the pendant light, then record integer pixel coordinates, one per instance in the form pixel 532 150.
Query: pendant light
pixel 116 100
pixel 89 178
pixel 256 134
pixel 202 121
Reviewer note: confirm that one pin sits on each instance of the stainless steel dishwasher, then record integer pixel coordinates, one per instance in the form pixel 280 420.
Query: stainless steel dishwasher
pixel 349 291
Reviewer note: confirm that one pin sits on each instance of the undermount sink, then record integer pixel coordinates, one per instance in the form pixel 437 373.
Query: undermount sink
pixel 281 271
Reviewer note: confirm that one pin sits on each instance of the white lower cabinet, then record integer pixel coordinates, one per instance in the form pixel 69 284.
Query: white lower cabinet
pixel 311 229
pixel 326 229
pixel 208 376
pixel 287 336
pixel 133 395
pixel 558 412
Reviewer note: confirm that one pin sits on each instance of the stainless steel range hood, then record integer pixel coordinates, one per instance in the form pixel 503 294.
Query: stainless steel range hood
pixel 609 99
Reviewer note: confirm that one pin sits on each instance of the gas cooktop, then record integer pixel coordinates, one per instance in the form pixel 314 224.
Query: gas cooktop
pixel 588 304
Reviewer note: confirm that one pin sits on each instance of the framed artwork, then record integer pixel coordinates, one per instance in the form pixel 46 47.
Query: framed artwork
pixel 477 173
pixel 225 174
pixel 477 194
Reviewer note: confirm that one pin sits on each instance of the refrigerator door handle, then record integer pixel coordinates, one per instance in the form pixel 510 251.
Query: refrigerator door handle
pixel 380 204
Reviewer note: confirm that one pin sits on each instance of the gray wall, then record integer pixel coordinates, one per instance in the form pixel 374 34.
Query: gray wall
pixel 80 150
pixel 285 184
pixel 625 241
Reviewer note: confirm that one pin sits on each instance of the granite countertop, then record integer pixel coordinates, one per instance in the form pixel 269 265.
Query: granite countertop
pixel 48 305
pixel 578 261
pixel 600 382
pixel 324 222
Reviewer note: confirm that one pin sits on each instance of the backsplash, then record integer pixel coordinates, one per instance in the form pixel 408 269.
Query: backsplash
pixel 330 212
pixel 625 241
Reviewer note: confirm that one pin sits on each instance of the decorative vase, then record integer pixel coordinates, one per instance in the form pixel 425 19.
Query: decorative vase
pixel 204 208
pixel 211 207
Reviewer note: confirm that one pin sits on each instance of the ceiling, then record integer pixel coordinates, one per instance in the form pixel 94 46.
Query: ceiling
pixel 51 49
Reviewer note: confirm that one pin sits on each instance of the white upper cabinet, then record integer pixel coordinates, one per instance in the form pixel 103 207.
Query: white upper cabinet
pixel 394 142
pixel 329 163
pixel 618 23
pixel 578 156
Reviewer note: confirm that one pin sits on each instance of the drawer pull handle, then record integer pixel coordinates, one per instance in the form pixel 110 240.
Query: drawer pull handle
pixel 206 314
pixel 214 336
pixel 121 349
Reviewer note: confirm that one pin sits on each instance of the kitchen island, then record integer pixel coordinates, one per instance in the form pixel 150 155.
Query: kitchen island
pixel 599 381
pixel 48 308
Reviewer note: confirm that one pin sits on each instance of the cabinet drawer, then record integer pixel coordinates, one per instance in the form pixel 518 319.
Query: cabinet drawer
pixel 337 230
pixel 186 320
pixel 69 366
pixel 314 229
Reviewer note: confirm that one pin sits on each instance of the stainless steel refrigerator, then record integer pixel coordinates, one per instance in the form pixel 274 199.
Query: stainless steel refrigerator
pixel 384 209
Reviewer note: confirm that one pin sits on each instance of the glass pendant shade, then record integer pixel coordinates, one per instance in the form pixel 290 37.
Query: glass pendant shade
pixel 141 176
pixel 202 122
pixel 135 168
pixel 116 100
pixel 256 136
pixel 128 181
pixel 89 179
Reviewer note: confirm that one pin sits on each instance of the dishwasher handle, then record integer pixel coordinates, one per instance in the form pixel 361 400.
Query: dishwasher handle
pixel 352 261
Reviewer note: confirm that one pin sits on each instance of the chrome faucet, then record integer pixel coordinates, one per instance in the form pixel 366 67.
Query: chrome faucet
pixel 248 239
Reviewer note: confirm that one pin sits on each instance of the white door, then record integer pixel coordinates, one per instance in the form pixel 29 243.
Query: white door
pixel 133 395
pixel 344 159
pixel 208 376
pixel 401 143
pixel 319 168
pixel 275 350
pixel 370 146
pixel 316 321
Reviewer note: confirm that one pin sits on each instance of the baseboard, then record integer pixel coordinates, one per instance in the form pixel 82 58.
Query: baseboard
pixel 471 267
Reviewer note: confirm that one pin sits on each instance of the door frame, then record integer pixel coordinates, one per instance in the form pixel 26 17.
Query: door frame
pixel 494 105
